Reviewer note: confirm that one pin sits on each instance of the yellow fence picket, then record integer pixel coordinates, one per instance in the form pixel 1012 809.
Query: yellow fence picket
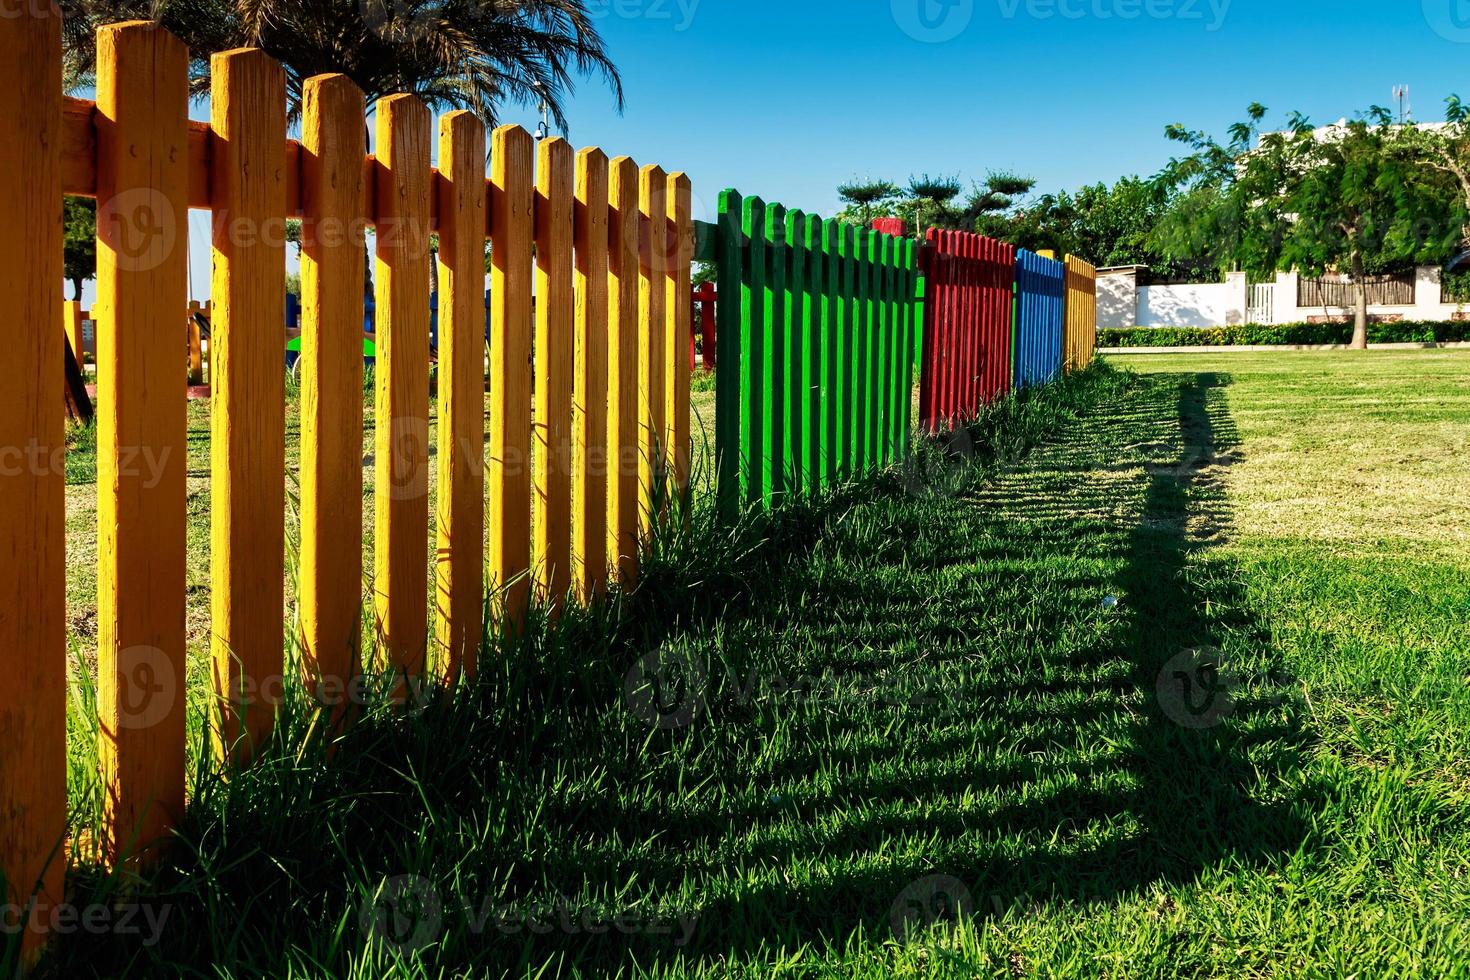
pixel 72 318
pixel 679 255
pixel 142 245
pixel 247 417
pixel 461 502
pixel 1081 313
pixel 401 417
pixel 623 369
pixel 652 302
pixel 512 205
pixel 334 143
pixel 590 403
pixel 32 503
pixel 553 365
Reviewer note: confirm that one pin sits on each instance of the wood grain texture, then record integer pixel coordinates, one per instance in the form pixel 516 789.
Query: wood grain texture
pixel 679 330
pixel 142 180
pixel 623 347
pixel 247 410
pixel 401 450
pixel 509 475
pixel 460 553
pixel 652 305
pixel 334 139
pixel 551 439
pixel 33 659
pixel 591 406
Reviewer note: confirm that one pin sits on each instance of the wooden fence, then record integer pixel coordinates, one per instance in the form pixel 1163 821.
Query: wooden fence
pixel 1081 337
pixel 1040 318
pixel 1392 289
pixel 570 456
pixel 969 293
pixel 815 360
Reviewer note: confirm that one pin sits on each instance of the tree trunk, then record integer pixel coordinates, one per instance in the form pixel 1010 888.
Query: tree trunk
pixel 76 290
pixel 1360 316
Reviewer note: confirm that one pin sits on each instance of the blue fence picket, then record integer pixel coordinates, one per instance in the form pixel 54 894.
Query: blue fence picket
pixel 1040 318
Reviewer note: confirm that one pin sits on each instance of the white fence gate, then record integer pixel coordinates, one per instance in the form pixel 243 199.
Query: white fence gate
pixel 1262 306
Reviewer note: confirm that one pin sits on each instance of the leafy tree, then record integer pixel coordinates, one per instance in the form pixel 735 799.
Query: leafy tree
pixel 931 200
pixel 454 54
pixel 1348 199
pixel 1447 150
pixel 866 200
pixel 79 242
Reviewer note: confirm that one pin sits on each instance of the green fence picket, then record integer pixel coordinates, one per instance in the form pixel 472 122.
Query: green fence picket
pixel 795 330
pixel 752 315
pixel 730 258
pixel 811 353
pixel 831 351
pixel 773 476
pixel 820 334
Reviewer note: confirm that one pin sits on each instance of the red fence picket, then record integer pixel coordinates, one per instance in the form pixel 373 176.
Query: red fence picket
pixel 705 302
pixel 967 325
pixel 890 226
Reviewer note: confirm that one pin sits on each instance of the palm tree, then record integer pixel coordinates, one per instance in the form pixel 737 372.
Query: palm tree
pixel 453 54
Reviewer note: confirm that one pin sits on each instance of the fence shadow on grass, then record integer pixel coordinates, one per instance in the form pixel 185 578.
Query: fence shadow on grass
pixel 887 709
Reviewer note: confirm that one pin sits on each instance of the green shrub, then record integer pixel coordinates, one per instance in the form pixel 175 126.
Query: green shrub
pixel 1286 334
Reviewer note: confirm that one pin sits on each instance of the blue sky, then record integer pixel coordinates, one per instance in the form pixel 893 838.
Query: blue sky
pixel 788 99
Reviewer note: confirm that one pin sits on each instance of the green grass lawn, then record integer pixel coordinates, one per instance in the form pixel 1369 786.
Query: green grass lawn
pixel 1182 691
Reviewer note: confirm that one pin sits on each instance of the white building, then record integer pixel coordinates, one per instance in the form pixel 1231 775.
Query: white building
pixel 1123 302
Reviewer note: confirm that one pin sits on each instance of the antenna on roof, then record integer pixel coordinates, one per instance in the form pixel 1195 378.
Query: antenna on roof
pixel 1401 96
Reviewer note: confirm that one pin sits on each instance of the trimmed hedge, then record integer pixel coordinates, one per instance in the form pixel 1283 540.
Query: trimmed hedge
pixel 1287 334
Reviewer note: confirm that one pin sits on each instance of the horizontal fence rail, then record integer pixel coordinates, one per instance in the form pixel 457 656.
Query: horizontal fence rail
pixel 588 404
pixel 968 307
pixel 1040 318
pixel 815 361
pixel 1081 337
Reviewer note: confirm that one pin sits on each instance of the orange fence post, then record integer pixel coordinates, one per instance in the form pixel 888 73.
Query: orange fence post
pixel 334 143
pixel 552 431
pixel 142 243
pixel 509 477
pixel 652 299
pixel 72 318
pixel 461 502
pixel 623 368
pixel 33 696
pixel 247 419
pixel 591 406
pixel 401 419
pixel 678 256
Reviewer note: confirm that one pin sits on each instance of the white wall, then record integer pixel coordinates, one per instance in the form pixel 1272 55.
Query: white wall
pixel 1117 298
pixel 1427 305
pixel 1193 304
